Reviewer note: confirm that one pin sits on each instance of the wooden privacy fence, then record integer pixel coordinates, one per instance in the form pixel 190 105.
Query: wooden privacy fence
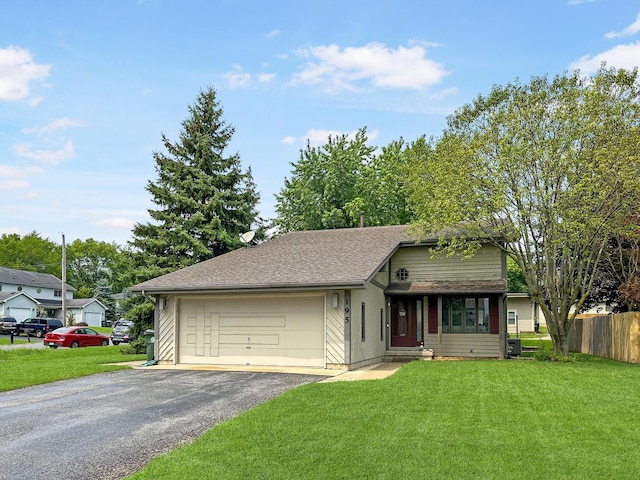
pixel 611 336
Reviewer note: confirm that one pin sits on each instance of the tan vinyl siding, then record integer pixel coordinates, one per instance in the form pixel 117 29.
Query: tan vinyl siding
pixel 486 264
pixel 335 328
pixel 372 348
pixel 466 345
pixel 524 309
pixel 166 336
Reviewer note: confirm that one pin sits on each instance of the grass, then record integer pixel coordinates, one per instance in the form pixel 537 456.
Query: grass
pixel 23 367
pixel 450 419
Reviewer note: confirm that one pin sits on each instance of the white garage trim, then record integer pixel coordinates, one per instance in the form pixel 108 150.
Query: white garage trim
pixel 257 330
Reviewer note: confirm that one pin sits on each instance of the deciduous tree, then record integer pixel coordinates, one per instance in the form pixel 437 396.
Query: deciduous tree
pixel 330 185
pixel 547 171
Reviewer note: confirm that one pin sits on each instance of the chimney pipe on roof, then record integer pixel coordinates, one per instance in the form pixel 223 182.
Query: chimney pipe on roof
pixel 361 218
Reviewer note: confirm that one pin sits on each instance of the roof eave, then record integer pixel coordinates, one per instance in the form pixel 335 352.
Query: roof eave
pixel 250 289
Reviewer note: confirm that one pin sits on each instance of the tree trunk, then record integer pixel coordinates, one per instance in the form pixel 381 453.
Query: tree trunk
pixel 559 330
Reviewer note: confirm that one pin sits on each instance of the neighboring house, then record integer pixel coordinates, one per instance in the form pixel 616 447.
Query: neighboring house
pixel 333 299
pixel 88 310
pixel 19 305
pixel 522 314
pixel 45 289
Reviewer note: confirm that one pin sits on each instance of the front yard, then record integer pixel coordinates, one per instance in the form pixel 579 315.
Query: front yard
pixel 440 420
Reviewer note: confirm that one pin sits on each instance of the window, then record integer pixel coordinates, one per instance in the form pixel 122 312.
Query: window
pixel 381 324
pixel 465 315
pixel 402 274
pixel 57 293
pixel 362 322
pixel 511 317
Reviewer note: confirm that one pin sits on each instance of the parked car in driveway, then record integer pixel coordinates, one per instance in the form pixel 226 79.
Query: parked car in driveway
pixel 74 337
pixel 121 332
pixel 7 324
pixel 37 326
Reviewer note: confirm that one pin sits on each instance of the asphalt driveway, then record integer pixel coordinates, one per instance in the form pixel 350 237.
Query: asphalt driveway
pixel 109 425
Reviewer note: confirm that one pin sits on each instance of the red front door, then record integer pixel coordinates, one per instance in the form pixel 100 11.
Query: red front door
pixel 404 322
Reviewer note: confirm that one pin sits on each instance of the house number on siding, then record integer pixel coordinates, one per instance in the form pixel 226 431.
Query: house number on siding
pixel 347 308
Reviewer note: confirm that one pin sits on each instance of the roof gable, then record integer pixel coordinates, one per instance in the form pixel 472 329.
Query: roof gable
pixel 313 258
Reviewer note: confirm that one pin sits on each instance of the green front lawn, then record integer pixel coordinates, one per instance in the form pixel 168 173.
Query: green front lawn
pixel 23 367
pixel 439 420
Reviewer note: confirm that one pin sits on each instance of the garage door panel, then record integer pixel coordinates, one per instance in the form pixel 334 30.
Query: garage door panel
pixel 253 331
pixel 245 321
pixel 253 339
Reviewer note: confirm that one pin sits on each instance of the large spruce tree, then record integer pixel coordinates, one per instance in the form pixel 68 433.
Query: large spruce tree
pixel 204 199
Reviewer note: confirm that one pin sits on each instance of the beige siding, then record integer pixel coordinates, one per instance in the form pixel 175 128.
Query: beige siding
pixel 486 264
pixel 166 336
pixel 252 330
pixel 466 345
pixel 524 311
pixel 372 348
pixel 335 328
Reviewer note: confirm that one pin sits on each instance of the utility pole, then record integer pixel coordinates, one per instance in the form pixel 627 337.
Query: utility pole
pixel 64 282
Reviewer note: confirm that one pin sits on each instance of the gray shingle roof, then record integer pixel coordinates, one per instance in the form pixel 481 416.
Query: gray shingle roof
pixel 318 258
pixel 31 279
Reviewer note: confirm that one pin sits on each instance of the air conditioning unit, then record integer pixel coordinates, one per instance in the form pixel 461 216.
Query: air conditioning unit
pixel 514 347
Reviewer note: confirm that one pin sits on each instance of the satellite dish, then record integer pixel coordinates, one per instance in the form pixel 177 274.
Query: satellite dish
pixel 246 237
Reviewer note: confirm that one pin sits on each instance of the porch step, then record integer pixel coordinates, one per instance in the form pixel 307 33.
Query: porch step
pixel 407 355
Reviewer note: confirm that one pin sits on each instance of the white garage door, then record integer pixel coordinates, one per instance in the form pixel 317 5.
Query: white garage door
pixel 93 318
pixel 20 313
pixel 282 331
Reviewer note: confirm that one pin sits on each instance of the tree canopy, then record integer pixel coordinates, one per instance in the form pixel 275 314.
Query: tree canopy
pixel 31 252
pixel 331 184
pixel 204 200
pixel 547 171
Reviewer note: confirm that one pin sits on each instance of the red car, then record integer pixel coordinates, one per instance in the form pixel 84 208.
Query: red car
pixel 75 337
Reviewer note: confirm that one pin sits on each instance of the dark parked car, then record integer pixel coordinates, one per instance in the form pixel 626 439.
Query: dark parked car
pixel 7 324
pixel 74 337
pixel 120 333
pixel 37 326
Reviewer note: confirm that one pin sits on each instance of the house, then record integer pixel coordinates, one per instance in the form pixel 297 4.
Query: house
pixel 88 310
pixel 19 305
pixel 522 314
pixel 42 296
pixel 339 298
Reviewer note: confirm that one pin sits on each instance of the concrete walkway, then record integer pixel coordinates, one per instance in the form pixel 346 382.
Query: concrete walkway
pixel 370 372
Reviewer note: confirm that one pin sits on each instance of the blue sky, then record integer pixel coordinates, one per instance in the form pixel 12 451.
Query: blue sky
pixel 87 87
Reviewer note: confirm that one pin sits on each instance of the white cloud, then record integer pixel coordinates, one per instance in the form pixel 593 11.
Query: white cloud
pixel 237 78
pixel 628 31
pixel 273 34
pixel 289 140
pixel 16 184
pixel 17 71
pixel 58 124
pixel 119 223
pixel 47 157
pixel 621 56
pixel 371 66
pixel 266 77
